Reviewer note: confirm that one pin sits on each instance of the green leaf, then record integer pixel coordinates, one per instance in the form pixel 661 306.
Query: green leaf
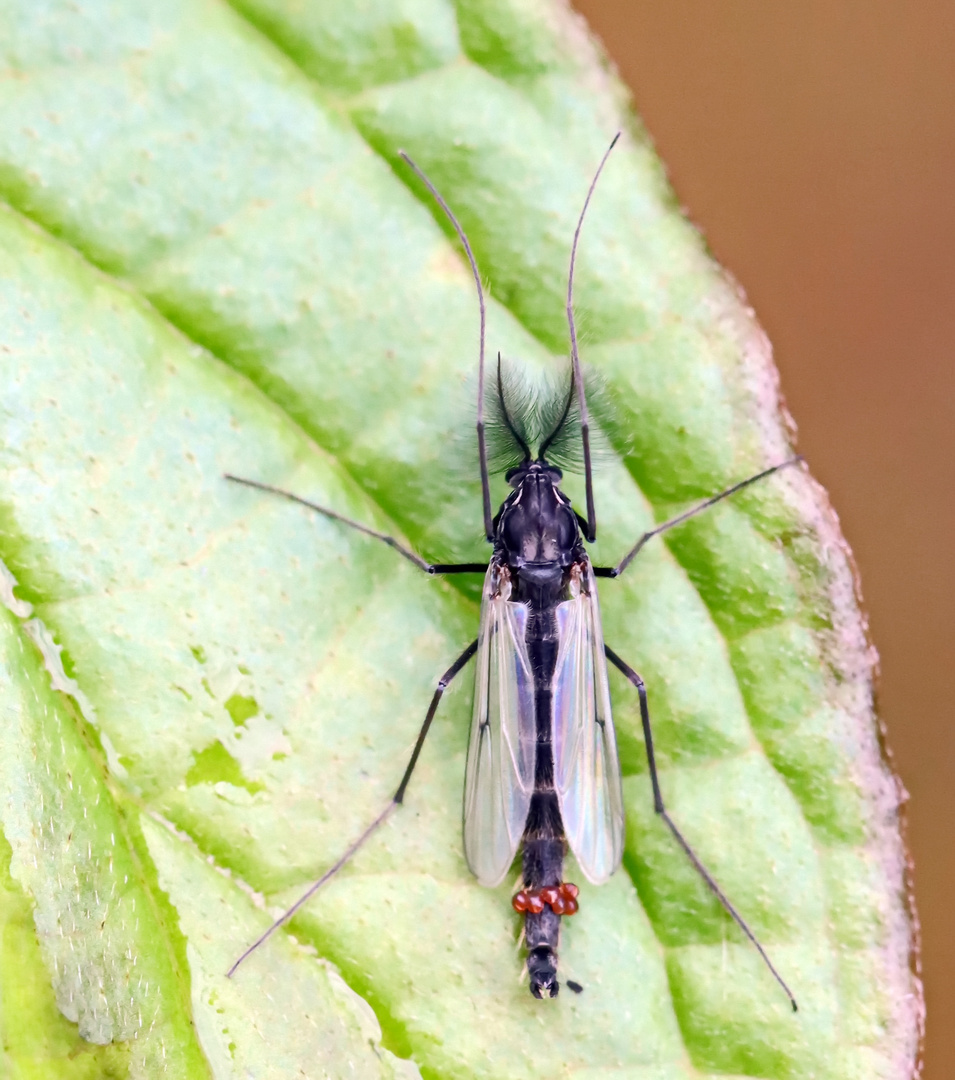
pixel 213 261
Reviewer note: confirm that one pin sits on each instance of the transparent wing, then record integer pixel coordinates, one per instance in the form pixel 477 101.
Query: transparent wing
pixel 586 768
pixel 502 745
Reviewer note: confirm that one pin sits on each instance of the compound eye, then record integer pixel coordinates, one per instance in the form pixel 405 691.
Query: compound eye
pixel 567 528
pixel 512 529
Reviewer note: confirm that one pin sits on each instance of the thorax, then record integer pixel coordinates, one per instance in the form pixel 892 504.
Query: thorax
pixel 538 539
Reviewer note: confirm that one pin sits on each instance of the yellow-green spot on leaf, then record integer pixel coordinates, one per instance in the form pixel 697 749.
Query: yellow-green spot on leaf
pixel 241 708
pixel 214 764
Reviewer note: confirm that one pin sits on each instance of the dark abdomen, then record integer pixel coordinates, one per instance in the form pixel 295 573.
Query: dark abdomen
pixel 543 843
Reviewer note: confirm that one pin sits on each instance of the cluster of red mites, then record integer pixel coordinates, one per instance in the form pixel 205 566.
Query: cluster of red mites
pixel 562 899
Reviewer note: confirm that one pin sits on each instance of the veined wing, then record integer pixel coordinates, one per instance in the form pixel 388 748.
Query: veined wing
pixel 502 745
pixel 586 768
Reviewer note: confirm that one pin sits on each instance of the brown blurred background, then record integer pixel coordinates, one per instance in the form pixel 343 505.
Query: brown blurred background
pixel 814 145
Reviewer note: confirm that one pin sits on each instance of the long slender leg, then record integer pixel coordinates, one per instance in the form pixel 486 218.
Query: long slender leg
pixel 396 801
pixel 680 839
pixel 429 568
pixel 616 571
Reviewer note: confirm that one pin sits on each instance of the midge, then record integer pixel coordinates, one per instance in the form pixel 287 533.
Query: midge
pixel 542 768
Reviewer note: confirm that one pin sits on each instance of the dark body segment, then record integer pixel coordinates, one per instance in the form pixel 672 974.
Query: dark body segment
pixel 538 539
pixel 544 844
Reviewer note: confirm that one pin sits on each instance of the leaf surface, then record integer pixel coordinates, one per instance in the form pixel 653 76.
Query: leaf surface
pixel 214 261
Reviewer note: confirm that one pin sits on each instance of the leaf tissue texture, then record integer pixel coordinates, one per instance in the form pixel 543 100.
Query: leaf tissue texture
pixel 214 261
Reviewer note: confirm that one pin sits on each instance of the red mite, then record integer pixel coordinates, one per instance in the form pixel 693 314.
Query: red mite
pixel 561 898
